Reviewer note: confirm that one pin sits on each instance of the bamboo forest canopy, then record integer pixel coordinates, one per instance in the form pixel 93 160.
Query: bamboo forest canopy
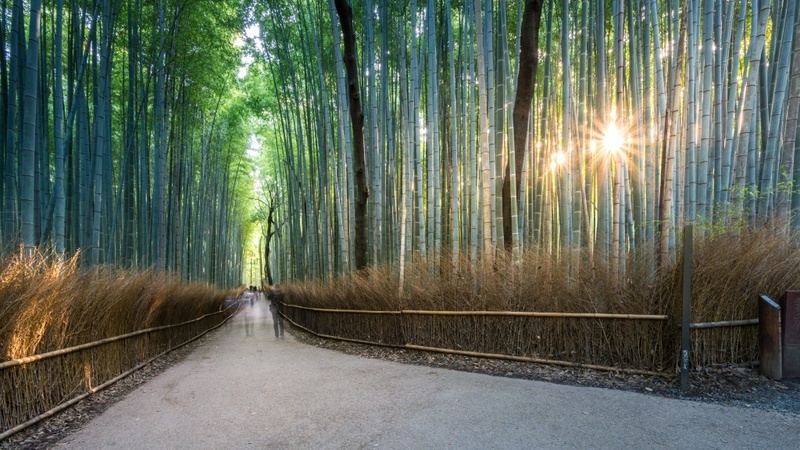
pixel 336 134
pixel 494 127
pixel 124 134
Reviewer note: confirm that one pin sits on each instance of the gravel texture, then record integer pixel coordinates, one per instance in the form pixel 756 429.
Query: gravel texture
pixel 739 387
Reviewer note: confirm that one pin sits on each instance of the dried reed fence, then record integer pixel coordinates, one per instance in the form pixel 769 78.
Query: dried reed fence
pixel 66 333
pixel 565 310
pixel 531 336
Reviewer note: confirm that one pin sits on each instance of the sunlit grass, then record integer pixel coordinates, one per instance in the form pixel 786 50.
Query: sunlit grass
pixel 47 303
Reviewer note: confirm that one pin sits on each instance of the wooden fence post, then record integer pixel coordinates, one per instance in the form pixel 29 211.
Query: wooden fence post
pixel 790 329
pixel 769 338
pixel 686 315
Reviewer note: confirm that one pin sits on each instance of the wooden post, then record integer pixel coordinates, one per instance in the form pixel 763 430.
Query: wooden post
pixel 686 315
pixel 769 338
pixel 790 333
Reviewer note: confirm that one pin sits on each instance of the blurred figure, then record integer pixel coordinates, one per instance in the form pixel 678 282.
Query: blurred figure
pixel 249 312
pixel 275 297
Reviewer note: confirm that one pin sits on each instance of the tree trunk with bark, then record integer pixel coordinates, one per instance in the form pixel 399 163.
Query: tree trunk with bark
pixel 526 84
pixel 357 118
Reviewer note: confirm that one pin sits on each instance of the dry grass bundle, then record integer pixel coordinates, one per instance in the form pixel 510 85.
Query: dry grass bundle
pixel 49 304
pixel 581 282
pixel 28 290
pixel 730 269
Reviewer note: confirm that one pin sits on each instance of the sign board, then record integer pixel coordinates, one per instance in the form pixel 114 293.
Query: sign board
pixel 790 320
pixel 769 338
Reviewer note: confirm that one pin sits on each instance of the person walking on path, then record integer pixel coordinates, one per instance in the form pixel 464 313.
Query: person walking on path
pixel 249 313
pixel 275 296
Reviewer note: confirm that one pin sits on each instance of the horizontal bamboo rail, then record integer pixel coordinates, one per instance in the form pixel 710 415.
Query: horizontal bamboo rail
pixel 724 323
pixel 489 313
pixel 538 314
pixel 11 431
pixel 338 338
pixel 483 355
pixel 351 311
pixel 68 350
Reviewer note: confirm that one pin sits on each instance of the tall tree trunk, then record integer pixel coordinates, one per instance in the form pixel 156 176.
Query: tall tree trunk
pixel 618 211
pixel 3 105
pixel 357 118
pixel 526 85
pixel 344 193
pixel 455 190
pixel 706 129
pixel 793 119
pixel 101 144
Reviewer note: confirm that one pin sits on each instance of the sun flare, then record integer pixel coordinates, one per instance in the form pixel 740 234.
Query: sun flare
pixel 613 139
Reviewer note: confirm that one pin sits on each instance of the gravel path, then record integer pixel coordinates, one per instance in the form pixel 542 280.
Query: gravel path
pixel 236 391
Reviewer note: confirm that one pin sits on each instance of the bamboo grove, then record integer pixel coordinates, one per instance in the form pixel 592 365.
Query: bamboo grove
pixel 645 115
pixel 124 134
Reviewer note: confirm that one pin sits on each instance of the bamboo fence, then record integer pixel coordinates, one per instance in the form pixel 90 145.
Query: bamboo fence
pixel 36 387
pixel 728 342
pixel 636 343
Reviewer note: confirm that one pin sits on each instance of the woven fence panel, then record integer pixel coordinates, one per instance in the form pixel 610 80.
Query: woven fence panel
pixel 723 345
pixel 624 343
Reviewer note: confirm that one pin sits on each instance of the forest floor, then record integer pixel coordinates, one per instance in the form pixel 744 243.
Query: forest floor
pixel 739 387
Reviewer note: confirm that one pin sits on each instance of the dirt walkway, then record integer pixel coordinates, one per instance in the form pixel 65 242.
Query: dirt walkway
pixel 236 391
